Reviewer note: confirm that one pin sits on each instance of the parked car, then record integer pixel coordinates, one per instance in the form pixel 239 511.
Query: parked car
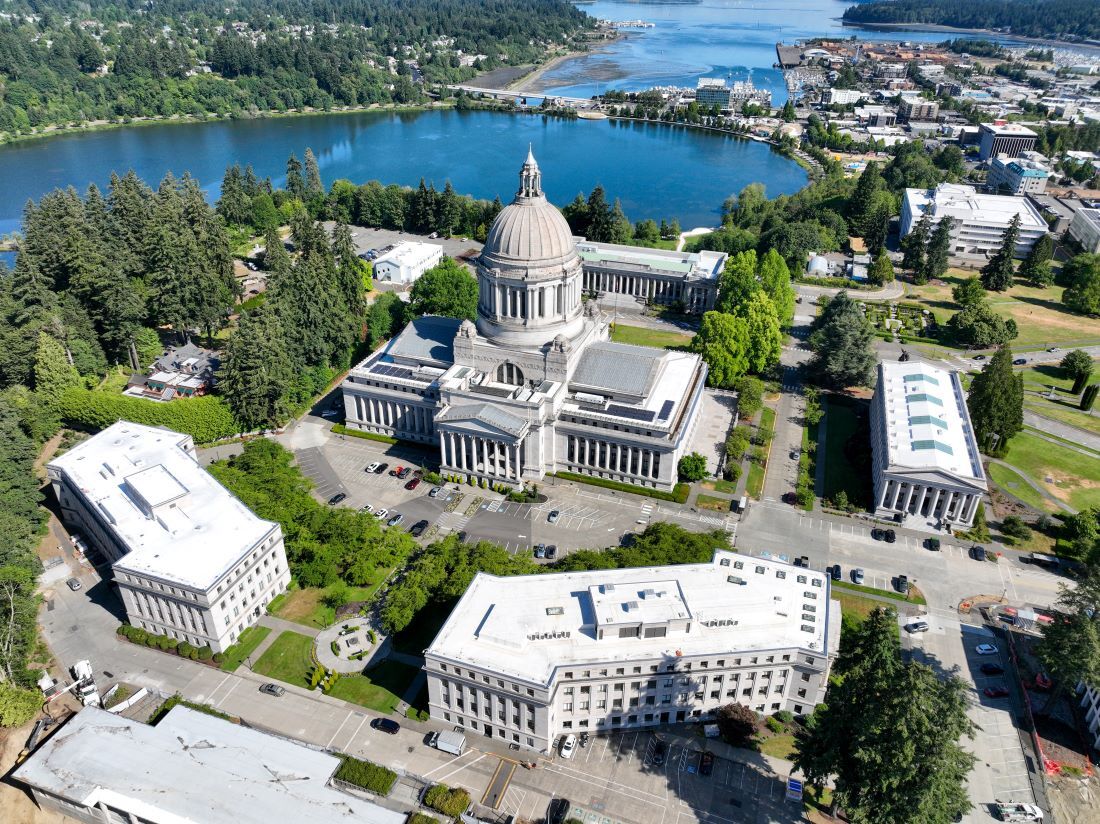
pixel 413 484
pixel 418 528
pixel 835 572
pixel 405 472
pixel 986 649
pixel 1053 349
pixel 557 810
pixel 381 468
pixel 553 516
pixel 395 519
pixel 435 490
pixel 396 471
pixel 794 454
pixel 706 763
pixel 890 536
pixel 857 576
pixel 1019 362
pixel 901 584
pixel 996 691
pixel 568 746
pixel 337 498
pixel 977 552
pixel 386 725
pixel 660 750
pixel 373 467
pixel 992 669
pixel 978 357
pixel 933 544
pixel 916 626
pixel 367 509
pixel 877 534
pixel 551 552
pixel 272 689
pixel 382 514
pixel 540 551
pixel 73 584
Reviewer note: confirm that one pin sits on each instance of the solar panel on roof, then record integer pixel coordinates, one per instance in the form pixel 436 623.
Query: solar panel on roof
pixel 630 412
pixel 666 410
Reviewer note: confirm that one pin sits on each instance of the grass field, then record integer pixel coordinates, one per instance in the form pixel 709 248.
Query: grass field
pixel 1044 375
pixel 1067 474
pixel 778 746
pixel 754 483
pixel 712 503
pixel 1016 486
pixel 245 646
pixel 288 659
pixel 847 588
pixel 642 336
pixel 729 487
pixel 1063 412
pixel 1038 313
pixel 305 605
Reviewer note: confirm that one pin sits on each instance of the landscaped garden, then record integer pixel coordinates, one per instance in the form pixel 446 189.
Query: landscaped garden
pixel 246 644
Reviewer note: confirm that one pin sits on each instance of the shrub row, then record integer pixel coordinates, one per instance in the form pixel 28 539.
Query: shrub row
pixel 162 642
pixel 413 714
pixel 178 700
pixel 205 419
pixel 678 495
pixel 366 774
pixel 340 429
pixel 452 802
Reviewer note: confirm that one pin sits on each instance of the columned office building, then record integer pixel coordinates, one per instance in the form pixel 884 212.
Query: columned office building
pixel 926 460
pixel 524 659
pixel 535 385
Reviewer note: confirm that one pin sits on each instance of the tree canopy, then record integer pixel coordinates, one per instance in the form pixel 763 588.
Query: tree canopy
pixel 841 341
pixel 1082 277
pixel 996 402
pixel 446 289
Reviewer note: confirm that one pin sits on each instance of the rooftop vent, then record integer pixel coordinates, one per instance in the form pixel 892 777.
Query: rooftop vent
pixel 630 605
pixel 555 611
pixel 608 587
pixel 733 579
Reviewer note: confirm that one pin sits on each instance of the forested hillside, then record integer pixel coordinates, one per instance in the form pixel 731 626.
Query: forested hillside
pixel 65 62
pixel 1063 19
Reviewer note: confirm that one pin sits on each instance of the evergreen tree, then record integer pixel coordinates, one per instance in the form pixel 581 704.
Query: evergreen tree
pixel 861 203
pixel 1070 647
pixel 277 261
pixel 936 253
pixel 1078 365
pixel 997 273
pixel 314 188
pixel 53 373
pixel 450 211
pixel 295 183
pixel 171 254
pixel 841 341
pixel 788 113
pixel 1036 266
pixel 234 203
pixel 215 289
pixel 1082 278
pixel 576 215
pixel 350 270
pixel 877 228
pixel 996 402
pixel 257 372
pixel 621 230
pixel 599 216
pixel 882 270
pixel 912 245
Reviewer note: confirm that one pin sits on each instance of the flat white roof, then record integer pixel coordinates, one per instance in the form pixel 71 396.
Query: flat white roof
pixel 966 205
pixel 526 626
pixel 1008 130
pixel 928 425
pixel 409 253
pixel 193 767
pixel 705 264
pixel 178 523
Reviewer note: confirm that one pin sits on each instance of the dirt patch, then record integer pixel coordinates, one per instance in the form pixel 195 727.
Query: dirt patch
pixel 15 801
pixel 299 605
pixel 1064 486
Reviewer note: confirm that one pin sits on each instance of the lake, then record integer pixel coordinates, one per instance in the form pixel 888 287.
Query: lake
pixel 657 171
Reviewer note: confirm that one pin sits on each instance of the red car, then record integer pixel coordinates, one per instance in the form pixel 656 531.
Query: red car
pixel 396 471
pixel 996 692
pixel 413 484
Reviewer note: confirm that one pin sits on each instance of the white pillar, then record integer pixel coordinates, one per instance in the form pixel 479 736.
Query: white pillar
pixel 909 496
pixel 936 502
pixel 897 494
pixel 882 497
pixel 508 461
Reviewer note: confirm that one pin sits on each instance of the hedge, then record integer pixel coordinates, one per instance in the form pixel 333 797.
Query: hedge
pixel 178 700
pixel 340 429
pixel 678 495
pixel 452 802
pixel 205 419
pixel 162 642
pixel 366 774
pixel 420 818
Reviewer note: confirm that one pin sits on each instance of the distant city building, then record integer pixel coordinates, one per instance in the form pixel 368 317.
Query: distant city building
pixel 846 97
pixel 1017 176
pixel 190 560
pixel 1085 229
pixel 875 116
pixel 926 463
pixel 891 71
pixel 191 766
pixel 524 659
pixel 1009 139
pixel 406 261
pixel 713 91
pixel 918 109
pixel 536 385
pixel 980 219
pixel 658 276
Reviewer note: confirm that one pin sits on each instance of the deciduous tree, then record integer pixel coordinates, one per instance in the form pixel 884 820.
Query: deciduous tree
pixel 692 467
pixel 447 289
pixel 1082 278
pixel 969 292
pixel 721 341
pixel 1078 365
pixel 1070 647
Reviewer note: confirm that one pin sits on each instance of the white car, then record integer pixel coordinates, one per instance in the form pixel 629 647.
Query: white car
pixel 367 509
pixel 568 746
pixel 916 626
pixel 373 467
pixel 381 514
pixel 986 649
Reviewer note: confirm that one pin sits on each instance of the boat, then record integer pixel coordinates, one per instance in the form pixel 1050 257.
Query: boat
pixel 591 115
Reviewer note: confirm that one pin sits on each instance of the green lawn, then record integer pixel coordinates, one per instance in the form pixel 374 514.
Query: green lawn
pixel 642 336
pixel 1063 412
pixel 779 746
pixel 245 646
pixel 729 487
pixel 1016 486
pixel 841 423
pixel 712 503
pixel 1042 376
pixel 845 589
pixel 754 484
pixel 288 659
pixel 379 689
pixel 306 605
pixel 1069 475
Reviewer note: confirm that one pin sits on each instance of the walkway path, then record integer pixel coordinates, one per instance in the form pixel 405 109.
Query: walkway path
pixel 1065 507
pixel 1062 430
pixel 283 625
pixel 891 291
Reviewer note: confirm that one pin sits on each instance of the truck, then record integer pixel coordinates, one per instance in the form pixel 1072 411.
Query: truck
pixel 453 742
pixel 1016 811
pixel 1042 559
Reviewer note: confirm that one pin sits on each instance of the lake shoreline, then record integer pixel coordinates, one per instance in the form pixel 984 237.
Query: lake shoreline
pixel 992 33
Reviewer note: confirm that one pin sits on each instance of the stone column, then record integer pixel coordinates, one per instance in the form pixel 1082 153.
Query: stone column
pixel 909 497
pixel 897 494
pixel 936 502
pixel 885 491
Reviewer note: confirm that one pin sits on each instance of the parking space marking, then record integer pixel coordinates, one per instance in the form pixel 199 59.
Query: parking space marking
pixel 346 717
pixel 354 735
pixel 229 691
pixel 454 761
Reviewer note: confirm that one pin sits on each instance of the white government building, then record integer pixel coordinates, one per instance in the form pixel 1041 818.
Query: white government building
pixel 653 276
pixel 406 262
pixel 926 460
pixel 980 219
pixel 535 386
pixel 190 560
pixel 191 767
pixel 524 659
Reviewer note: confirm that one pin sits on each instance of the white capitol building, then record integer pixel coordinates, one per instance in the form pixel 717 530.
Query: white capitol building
pixel 535 386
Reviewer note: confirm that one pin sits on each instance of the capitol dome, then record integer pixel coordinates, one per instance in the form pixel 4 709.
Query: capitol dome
pixel 529 232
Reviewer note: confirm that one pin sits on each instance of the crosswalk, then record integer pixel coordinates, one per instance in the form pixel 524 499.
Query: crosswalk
pixel 452 522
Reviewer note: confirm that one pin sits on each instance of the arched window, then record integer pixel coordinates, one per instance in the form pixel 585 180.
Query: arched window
pixel 509 373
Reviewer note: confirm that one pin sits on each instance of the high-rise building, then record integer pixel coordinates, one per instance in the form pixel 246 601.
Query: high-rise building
pixel 1009 139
